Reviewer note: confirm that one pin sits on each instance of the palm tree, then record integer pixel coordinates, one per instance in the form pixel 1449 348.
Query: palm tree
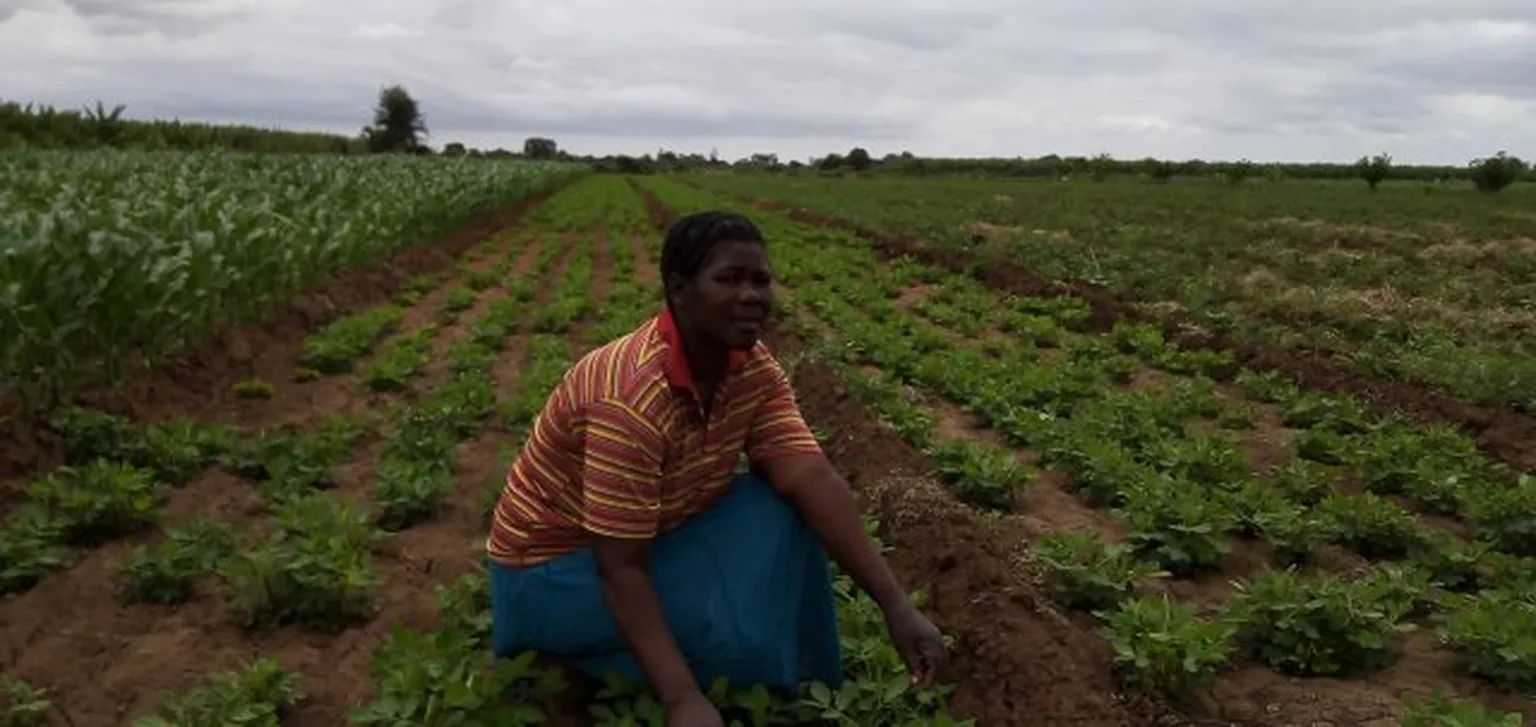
pixel 398 124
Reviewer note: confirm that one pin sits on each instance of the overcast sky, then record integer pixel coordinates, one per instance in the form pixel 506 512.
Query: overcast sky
pixel 1426 80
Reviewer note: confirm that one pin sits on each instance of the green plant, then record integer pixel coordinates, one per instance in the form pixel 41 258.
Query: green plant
pixel 1321 627
pixel 443 679
pixel 1161 647
pixel 1370 525
pixel 259 696
pixel 253 389
pixel 1177 525
pixel 100 500
pixel 316 570
pixel 984 476
pixel 23 705
pixel 405 357
pixel 1088 573
pixel 1439 711
pixel 169 572
pixel 1494 633
pixel 407 492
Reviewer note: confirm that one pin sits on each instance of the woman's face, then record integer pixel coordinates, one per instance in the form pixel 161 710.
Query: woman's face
pixel 729 301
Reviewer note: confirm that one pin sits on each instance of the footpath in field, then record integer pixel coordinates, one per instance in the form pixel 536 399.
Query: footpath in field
pixel 1440 371
pixel 1263 553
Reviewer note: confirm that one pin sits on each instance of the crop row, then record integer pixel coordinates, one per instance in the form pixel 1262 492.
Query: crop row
pixel 113 258
pixel 1168 455
pixel 1431 288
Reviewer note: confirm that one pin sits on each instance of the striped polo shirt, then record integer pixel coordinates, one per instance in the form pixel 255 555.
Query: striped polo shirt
pixel 622 448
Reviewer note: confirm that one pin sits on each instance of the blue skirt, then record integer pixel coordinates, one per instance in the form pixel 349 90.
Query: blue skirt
pixel 744 587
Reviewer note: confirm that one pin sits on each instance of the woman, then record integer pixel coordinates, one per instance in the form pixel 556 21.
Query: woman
pixel 628 539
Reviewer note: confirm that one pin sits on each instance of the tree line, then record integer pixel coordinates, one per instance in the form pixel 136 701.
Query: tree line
pixel 399 126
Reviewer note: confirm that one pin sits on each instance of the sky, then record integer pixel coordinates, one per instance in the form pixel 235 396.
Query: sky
pixel 1428 81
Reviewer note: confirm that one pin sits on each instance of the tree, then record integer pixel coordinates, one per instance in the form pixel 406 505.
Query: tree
pixel 1374 169
pixel 398 123
pixel 454 149
pixel 1237 172
pixel 538 147
pixel 858 158
pixel 1496 172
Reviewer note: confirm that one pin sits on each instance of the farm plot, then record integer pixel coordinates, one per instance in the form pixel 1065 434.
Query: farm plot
pixel 1271 554
pixel 312 555
pixel 1434 288
pixel 114 259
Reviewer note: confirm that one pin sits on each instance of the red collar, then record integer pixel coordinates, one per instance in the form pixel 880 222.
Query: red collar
pixel 679 373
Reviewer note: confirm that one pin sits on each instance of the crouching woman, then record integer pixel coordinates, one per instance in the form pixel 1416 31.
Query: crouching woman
pixel 627 538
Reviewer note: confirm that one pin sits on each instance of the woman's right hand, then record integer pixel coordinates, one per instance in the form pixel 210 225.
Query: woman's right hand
pixel 695 710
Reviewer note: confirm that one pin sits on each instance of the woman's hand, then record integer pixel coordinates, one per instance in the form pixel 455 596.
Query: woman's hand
pixel 917 640
pixel 695 710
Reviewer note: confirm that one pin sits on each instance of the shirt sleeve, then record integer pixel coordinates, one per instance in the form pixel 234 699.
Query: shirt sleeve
pixel 621 473
pixel 777 429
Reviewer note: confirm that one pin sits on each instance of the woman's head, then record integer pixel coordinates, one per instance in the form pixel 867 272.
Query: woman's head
pixel 718 285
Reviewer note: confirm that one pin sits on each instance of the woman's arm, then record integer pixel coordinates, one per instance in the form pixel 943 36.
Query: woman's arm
pixel 813 486
pixel 624 568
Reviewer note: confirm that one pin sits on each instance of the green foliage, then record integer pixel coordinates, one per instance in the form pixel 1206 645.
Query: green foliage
pixel 443 679
pixel 23 705
pixel 1375 169
pixel 1162 647
pixel 168 573
pixel 1087 573
pixel 316 570
pixel 398 123
pixel 259 696
pixel 1439 711
pixel 1493 174
pixel 1320 627
pixel 1494 633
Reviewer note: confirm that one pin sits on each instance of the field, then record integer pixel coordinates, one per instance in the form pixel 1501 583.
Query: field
pixel 1428 283
pixel 281 523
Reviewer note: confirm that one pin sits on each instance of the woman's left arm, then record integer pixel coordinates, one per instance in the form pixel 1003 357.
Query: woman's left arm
pixel 813 486
pixel 782 447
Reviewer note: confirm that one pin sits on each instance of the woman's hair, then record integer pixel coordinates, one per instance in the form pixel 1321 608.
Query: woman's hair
pixel 693 238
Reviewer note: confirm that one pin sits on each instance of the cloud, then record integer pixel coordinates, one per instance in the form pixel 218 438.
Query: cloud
pixel 1426 81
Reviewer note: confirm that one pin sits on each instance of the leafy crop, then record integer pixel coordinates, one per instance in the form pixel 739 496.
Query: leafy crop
pixel 169 572
pixel 258 696
pixel 1160 646
pixel 23 705
pixel 315 570
pixel 1494 632
pixel 113 255
pixel 1088 573
pixel 1320 627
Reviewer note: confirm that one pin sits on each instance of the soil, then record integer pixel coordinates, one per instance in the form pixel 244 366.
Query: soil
pixel 1502 433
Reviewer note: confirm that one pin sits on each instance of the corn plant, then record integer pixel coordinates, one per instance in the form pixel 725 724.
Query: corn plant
pixel 113 257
